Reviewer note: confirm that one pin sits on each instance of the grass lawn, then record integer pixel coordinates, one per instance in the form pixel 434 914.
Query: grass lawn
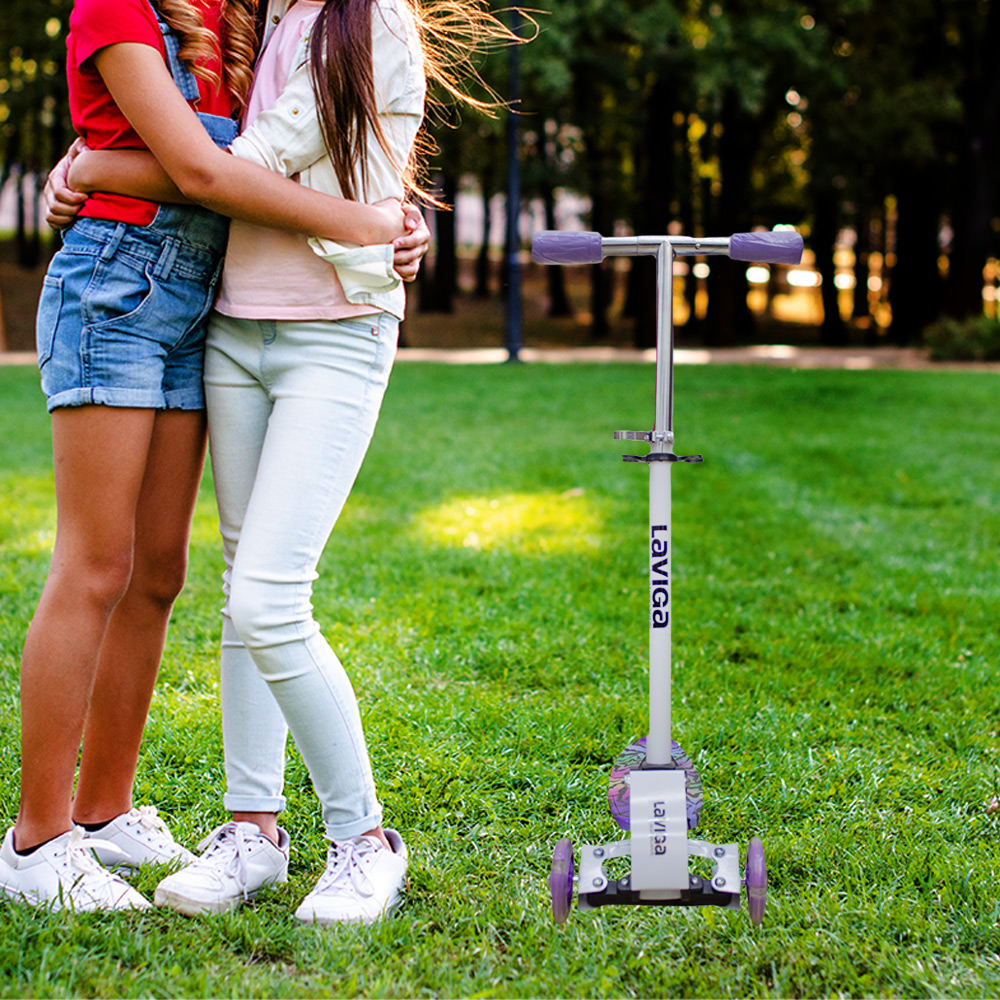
pixel 836 599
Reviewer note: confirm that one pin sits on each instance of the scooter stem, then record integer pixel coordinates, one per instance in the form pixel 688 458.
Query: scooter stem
pixel 662 439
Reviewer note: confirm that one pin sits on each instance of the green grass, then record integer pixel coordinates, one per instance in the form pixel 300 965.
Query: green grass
pixel 837 592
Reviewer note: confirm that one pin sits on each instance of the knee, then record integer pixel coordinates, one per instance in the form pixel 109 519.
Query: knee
pixel 100 580
pixel 265 614
pixel 248 610
pixel 158 578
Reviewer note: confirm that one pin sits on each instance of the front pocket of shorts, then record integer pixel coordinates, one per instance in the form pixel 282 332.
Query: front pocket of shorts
pixel 117 294
pixel 47 320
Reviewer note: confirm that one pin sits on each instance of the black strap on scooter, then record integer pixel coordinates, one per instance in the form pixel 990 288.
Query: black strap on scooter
pixel 662 456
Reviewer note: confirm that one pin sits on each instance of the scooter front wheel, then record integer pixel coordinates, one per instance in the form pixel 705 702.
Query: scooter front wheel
pixel 755 878
pixel 561 880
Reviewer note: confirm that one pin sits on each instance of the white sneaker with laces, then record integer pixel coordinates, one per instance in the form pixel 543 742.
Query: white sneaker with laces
pixel 65 874
pixel 141 838
pixel 361 884
pixel 237 862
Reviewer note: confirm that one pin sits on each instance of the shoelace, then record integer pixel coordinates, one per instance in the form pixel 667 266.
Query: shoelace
pixel 79 857
pixel 343 866
pixel 147 819
pixel 228 840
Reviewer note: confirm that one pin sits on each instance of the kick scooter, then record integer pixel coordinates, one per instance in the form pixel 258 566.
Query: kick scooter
pixel 655 792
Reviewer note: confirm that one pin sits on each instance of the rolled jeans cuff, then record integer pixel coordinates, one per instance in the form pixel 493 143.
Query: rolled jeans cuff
pixel 255 804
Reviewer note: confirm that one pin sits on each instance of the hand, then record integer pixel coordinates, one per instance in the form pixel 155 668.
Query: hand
pixel 410 249
pixel 62 203
pixel 392 221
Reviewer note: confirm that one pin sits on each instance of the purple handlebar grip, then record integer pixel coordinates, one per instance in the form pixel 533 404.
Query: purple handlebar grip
pixel 553 247
pixel 783 247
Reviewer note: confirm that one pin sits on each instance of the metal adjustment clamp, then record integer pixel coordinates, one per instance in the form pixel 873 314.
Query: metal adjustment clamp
pixel 654 437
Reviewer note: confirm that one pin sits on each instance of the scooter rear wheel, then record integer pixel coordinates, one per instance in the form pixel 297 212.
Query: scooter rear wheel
pixel 561 880
pixel 755 878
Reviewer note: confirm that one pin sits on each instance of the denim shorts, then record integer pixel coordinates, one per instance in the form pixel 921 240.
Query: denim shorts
pixel 122 314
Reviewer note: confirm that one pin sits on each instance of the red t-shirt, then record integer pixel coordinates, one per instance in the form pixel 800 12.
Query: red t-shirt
pixel 95 24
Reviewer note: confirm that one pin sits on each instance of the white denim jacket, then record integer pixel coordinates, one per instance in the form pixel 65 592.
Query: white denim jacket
pixel 287 139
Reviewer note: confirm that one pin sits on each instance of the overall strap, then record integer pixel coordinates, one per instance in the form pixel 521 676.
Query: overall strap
pixel 186 82
pixel 222 130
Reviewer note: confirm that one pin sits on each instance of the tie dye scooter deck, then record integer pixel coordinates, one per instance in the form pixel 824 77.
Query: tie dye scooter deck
pixel 655 791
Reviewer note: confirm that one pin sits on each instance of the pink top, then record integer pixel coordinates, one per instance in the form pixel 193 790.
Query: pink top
pixel 271 274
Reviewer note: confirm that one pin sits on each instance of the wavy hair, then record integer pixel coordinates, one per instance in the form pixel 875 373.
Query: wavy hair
pixel 236 50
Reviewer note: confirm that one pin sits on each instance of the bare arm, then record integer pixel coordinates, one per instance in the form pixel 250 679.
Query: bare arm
pixel 132 172
pixel 141 86
pixel 139 174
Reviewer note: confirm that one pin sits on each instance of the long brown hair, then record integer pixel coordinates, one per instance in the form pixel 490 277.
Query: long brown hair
pixel 237 48
pixel 451 34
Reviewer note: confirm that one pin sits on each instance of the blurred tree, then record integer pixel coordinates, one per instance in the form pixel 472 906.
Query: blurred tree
pixel 903 112
pixel 665 86
pixel 881 107
pixel 711 116
pixel 973 32
pixel 751 53
pixel 34 112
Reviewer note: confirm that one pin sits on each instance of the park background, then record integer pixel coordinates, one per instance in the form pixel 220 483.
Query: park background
pixel 871 127
pixel 836 585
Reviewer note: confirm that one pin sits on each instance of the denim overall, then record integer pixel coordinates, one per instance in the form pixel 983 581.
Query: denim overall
pixel 121 318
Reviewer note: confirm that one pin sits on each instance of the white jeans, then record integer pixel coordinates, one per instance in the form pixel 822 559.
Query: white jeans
pixel 291 408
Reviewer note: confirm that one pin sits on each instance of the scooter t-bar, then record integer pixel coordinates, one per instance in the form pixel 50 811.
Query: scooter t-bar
pixel 554 247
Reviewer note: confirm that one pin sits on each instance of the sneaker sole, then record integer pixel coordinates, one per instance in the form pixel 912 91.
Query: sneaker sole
pixel 310 916
pixel 57 903
pixel 198 907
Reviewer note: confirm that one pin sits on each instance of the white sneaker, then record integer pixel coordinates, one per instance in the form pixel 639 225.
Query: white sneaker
pixel 238 861
pixel 141 838
pixel 65 874
pixel 361 883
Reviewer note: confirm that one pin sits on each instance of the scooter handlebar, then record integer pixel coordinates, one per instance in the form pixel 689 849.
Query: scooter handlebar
pixel 552 247
pixel 556 247
pixel 784 247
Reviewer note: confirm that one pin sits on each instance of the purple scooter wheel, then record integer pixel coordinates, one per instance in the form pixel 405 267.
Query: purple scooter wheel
pixel 561 880
pixel 632 757
pixel 755 878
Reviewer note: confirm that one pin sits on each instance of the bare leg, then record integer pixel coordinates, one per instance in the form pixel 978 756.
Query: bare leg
pixel 99 456
pixel 268 823
pixel 133 644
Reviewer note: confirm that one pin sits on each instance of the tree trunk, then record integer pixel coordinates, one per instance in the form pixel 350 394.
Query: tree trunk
pixel 832 331
pixel 915 295
pixel 600 276
pixel 729 320
pixel 29 244
pixel 860 313
pixel 655 154
pixel 586 98
pixel 482 290
pixel 441 287
pixel 559 304
pixel 694 327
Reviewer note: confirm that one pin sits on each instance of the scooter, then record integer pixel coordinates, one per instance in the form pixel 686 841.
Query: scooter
pixel 655 791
